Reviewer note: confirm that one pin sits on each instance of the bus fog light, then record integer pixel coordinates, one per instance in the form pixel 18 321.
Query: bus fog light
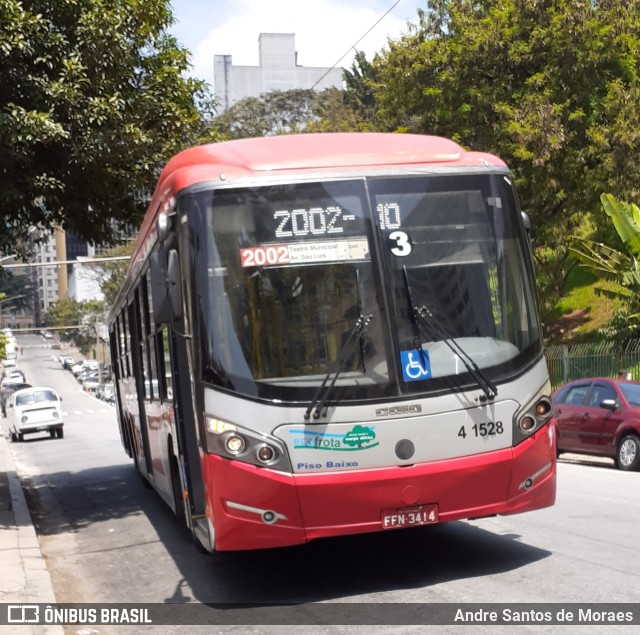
pixel 24 419
pixel 235 444
pixel 265 454
pixel 527 423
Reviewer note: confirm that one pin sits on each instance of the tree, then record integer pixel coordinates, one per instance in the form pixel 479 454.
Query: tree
pixel 17 291
pixel 275 112
pixel 79 319
pixel 620 266
pixel 349 110
pixel 551 86
pixel 94 101
pixel 111 275
pixel 245 119
pixel 359 82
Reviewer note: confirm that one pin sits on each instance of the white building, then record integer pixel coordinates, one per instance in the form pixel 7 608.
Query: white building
pixel 45 278
pixel 84 283
pixel 278 70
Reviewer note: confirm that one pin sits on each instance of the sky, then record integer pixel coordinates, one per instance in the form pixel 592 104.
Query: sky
pixel 324 29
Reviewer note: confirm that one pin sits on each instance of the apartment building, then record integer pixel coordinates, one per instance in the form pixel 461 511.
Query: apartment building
pixel 278 70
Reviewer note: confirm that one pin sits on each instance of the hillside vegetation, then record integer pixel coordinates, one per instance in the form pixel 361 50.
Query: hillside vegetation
pixel 580 312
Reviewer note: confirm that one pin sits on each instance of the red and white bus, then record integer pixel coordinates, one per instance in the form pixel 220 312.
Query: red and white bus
pixel 332 334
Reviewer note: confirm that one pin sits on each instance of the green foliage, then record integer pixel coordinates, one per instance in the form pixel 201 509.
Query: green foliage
pixel 626 220
pixel 581 312
pixel 111 275
pixel 359 97
pixel 79 318
pixel 17 291
pixel 551 87
pixel 619 266
pixel 15 294
pixel 333 112
pixel 349 110
pixel 298 110
pixel 94 101
pixel 276 112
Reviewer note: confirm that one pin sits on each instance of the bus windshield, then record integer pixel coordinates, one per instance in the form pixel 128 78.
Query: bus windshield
pixel 292 283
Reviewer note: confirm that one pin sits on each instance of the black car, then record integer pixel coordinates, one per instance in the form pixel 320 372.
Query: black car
pixel 8 388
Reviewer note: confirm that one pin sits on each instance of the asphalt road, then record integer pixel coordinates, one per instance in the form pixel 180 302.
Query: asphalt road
pixel 107 538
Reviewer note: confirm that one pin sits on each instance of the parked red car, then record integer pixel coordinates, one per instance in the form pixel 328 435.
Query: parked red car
pixel 600 416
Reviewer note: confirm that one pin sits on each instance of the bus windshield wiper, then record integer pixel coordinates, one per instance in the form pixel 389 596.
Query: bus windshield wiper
pixel 416 325
pixel 488 387
pixel 427 318
pixel 318 404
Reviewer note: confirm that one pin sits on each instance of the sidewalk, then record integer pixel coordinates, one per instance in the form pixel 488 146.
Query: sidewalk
pixel 24 577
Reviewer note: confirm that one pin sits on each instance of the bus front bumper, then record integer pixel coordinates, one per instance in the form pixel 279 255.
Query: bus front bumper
pixel 256 508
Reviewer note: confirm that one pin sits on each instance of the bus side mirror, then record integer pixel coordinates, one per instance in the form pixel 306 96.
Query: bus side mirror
pixel 163 227
pixel 157 279
pixel 174 285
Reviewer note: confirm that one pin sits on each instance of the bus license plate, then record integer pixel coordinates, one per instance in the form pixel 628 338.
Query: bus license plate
pixel 409 516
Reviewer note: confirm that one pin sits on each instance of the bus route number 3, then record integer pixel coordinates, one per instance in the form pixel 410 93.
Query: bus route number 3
pixel 479 430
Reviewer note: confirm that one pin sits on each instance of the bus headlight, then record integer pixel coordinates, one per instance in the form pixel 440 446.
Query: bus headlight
pixel 238 443
pixel 235 444
pixel 533 415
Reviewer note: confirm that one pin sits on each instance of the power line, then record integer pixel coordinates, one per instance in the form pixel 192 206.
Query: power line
pixel 384 15
pixel 55 263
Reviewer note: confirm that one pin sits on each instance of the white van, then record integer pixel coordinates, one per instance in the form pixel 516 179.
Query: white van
pixel 35 410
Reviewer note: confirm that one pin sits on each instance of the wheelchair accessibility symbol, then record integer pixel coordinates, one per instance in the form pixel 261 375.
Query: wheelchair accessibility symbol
pixel 415 365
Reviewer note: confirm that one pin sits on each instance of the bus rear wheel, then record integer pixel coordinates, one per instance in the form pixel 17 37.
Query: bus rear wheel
pixel 176 487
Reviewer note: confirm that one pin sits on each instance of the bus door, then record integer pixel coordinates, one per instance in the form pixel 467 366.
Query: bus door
pixel 186 422
pixel 140 421
pixel 179 365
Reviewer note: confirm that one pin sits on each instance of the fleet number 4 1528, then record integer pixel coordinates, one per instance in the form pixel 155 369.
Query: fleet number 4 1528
pixel 488 429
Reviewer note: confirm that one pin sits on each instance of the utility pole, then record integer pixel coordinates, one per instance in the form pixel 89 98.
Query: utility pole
pixel 61 254
pixel 97 349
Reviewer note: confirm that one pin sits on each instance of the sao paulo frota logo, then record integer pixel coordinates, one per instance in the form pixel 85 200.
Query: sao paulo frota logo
pixel 358 438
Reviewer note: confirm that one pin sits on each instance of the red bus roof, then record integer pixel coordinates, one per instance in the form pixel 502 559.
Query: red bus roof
pixel 296 154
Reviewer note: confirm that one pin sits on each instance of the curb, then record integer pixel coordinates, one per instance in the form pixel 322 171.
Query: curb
pixel 26 578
